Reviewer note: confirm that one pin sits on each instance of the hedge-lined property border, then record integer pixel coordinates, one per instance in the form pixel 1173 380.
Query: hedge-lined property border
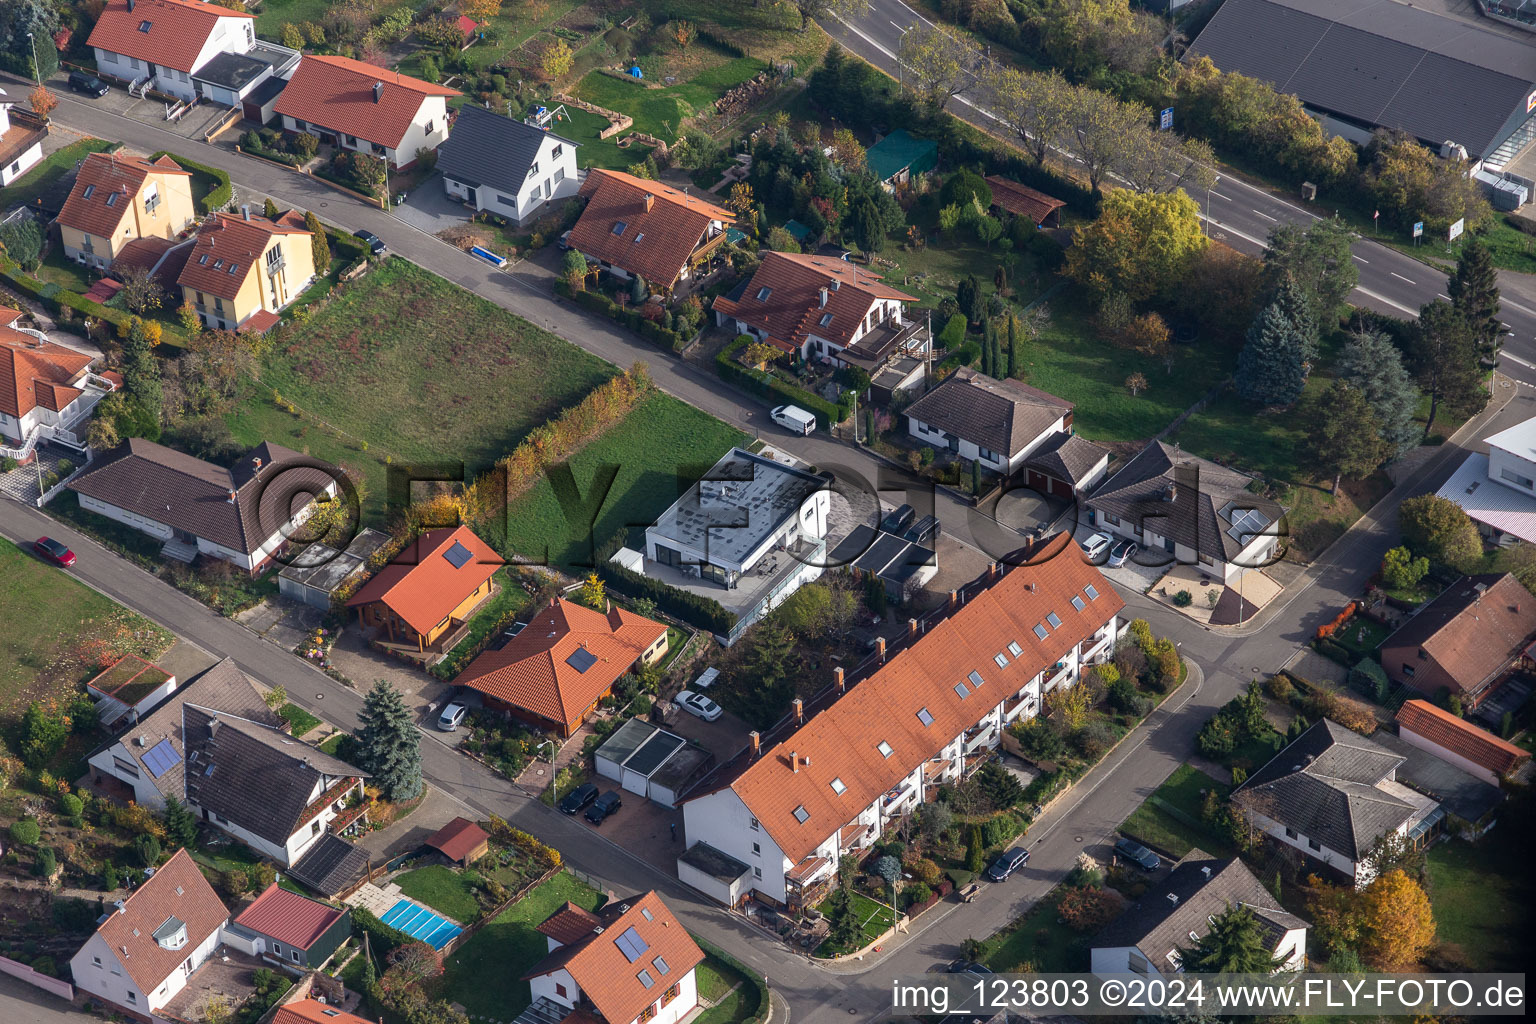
pixel 219 196
pixel 602 305
pixel 765 384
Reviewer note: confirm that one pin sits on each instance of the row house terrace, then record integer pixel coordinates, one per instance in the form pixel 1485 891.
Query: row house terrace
pixel 872 746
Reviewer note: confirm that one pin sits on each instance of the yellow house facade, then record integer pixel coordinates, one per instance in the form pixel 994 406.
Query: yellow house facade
pixel 245 268
pixel 118 198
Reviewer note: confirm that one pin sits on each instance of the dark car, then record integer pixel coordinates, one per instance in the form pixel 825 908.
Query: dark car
pixel 374 243
pixel 967 967
pixel 578 798
pixel 1138 854
pixel 897 520
pixel 53 551
pixel 606 805
pixel 1005 864
pixel 80 81
pixel 924 531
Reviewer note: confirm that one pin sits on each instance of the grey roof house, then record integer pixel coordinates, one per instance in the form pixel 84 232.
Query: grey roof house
pixel 506 167
pixel 1147 937
pixel 1333 794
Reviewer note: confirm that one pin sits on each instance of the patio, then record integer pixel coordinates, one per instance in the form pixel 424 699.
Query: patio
pixel 227 975
pixel 1215 604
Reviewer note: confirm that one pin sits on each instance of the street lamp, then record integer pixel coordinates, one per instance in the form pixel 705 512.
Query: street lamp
pixel 1208 188
pixel 37 71
pixel 901 69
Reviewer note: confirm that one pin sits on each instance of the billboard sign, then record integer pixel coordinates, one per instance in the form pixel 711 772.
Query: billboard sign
pixel 1455 231
pixel 1165 119
pixel 1418 228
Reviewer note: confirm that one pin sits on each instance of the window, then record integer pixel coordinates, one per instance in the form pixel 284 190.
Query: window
pixel 557 151
pixel 1515 478
pixel 670 994
pixel 826 319
pixel 1054 620
pixel 277 949
pixel 96 960
pixel 647 1013
pixel 1093 595
pixel 962 690
pixel 1407 670
pixel 428 127
pixel 559 174
pixel 1078 602
pixel 1290 833
pixel 1423 654
pixel 618 228
pixel 1001 659
pixel 559 989
pixel 646 913
pixel 133 997
pixel 144 26
pixel 661 966
pixel 757 850
pixel 1040 630
pixel 1314 844
pixel 884 748
pixel 293 955
pixel 273 255
pixel 763 293
pixel 986 453
pixel 90 190
pixel 233 267
pixel 639 236
pixel 924 716
pixel 975 678
pixel 1112 520
pixel 646 979
pixel 838 787
pixel 755 825
pixel 314 828
pixel 801 814
pixel 757 873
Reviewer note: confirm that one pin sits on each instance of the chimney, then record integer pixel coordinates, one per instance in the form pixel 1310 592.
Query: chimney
pixel 256 463
pixel 754 742
pixel 378 91
pixel 1173 898
pixel 823 296
pixel 130 6
pixel 230 497
pixel 839 680
pixel 1206 871
pixel 1171 491
pixel 880 648
pixel 911 629
pixel 245 212
pixel 799 708
pixel 991 572
pixel 954 598
pixel 836 284
pixel 122 908
pixel 650 201
pixel 794 762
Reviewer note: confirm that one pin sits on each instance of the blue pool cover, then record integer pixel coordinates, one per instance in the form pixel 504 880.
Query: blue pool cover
pixel 420 923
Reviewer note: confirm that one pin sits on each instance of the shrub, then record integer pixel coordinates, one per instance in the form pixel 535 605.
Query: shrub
pixel 27 831
pixel 235 883
pixel 148 849
pixel 1183 599
pixel 1087 909
pixel 927 871
pixel 1370 679
pixel 46 965
pixel 71 807
pixel 1093 739
pixel 1328 629
pixel 1280 688
pixel 47 862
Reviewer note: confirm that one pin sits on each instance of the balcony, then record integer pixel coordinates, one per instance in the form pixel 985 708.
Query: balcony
pixel 1016 708
pixel 1062 671
pixel 275 265
pixel 899 800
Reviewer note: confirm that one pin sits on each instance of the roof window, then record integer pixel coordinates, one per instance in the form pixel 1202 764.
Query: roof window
pixel 90 190
pixel 826 319
pixel 639 235
pixel 202 260
pixel 884 748
pixel 111 198
pixel 962 690
pixel 646 979
pixel 1040 630
pixel 801 814
pixel 975 678
pixel 763 293
pixel 645 912
pixel 234 267
pixel 143 26
pixel 1001 659
pixel 661 966
pixel 924 716
pixel 1093 595
pixel 838 787
pixel 1078 602
pixel 619 226
pixel 1054 620
pixel 1015 649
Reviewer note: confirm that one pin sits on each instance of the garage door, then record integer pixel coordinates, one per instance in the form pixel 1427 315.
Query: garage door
pixel 1060 488
pixel 1037 481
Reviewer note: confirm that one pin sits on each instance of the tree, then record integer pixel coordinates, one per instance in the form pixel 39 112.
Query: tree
pixel 1446 359
pixel 42 736
pixel 556 58
pixel 974 849
pixel 1070 705
pixel 1271 369
pixel 1373 364
pixel 965 188
pixel 1037 107
pixel 1318 259
pixel 480 10
pixel 938 63
pixel 1401 571
pixel 684 33
pixel 1104 132
pixel 148 849
pixel 42 101
pixel 1136 383
pixel 319 242
pixel 26 831
pixel 1297 308
pixel 887 868
pixel 22 240
pixel 1140 246
pixel 573 267
pixel 292 37
pixel 1410 183
pixel 411 964
pixel 47 862
pixel 19 17
pixel 848 151
pixel 1438 528
pixel 1158 161
pixel 388 745
pixel 639 291
pixel 180 824
pixel 968 297
pixel 141 372
pixel 1235 944
pixel 1397 923
pixel 1474 292
pixel 141 290
pixel 812 10
pixel 269 209
pixel 843 924
pixel 1345 436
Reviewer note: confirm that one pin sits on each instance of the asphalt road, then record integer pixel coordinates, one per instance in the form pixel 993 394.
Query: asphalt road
pixel 1240 212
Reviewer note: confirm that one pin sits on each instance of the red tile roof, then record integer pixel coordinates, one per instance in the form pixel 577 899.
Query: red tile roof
pixel 608 976
pixel 467 25
pixel 534 670
pixel 1022 200
pixel 261 321
pixel 1474 629
pixel 457 838
pixel 91 206
pixel 312 1011
pixel 570 924
pixel 177 30
pixel 338 93
pixel 34 373
pixel 841 741
pixel 422 586
pixel 672 228
pixel 227 248
pixel 177 890
pixel 793 306
pixel 1460 737
pixel 289 918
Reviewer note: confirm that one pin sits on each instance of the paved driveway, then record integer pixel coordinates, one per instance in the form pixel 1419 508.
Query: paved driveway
pixel 429 208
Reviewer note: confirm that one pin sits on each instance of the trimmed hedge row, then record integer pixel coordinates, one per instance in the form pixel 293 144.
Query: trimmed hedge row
pixel 761 382
pixel 697 611
pixel 382 937
pixel 602 305
pixel 53 298
pixel 219 196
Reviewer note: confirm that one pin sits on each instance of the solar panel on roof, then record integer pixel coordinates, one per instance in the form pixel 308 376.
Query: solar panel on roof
pixel 581 659
pixel 458 556
pixel 161 758
pixel 631 944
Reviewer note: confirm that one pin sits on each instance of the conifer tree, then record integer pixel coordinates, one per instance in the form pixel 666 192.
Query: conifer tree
pixel 388 745
pixel 1474 292
pixel 1271 367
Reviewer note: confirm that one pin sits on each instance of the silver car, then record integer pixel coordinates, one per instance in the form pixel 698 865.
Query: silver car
pixel 452 715
pixel 700 705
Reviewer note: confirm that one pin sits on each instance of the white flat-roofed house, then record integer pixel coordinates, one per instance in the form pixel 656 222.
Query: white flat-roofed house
pixel 1498 490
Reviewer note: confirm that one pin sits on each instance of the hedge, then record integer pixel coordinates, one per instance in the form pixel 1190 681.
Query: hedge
pixel 219 196
pixel 693 609
pixel 756 980
pixel 761 382
pixel 53 298
pixel 382 937
pixel 602 305
pixel 1335 651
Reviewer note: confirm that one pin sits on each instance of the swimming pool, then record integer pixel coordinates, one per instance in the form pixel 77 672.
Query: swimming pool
pixel 420 923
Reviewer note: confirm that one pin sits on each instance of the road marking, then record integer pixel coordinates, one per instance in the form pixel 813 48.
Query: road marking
pixel 1400 277
pixel 1447 298
pixel 1514 358
pixel 1266 216
pixel 1240 234
pixel 1362 259
pixel 897 27
pixel 1218 195
pixel 1412 313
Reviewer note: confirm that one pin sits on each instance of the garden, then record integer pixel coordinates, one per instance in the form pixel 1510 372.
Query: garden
pixel 1173 820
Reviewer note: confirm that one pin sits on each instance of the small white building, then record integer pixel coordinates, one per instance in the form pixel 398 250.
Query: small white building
pixel 630 962
pixel 366 108
pixel 651 762
pixel 507 167
pixel 1498 490
pixel 21 142
pixel 1176 913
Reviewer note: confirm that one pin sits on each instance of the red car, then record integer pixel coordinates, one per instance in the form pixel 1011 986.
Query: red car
pixel 53 551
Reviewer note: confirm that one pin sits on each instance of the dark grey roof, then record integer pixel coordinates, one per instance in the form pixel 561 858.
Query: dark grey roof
pixel 1003 415
pixel 256 776
pixel 1459 792
pixel 1158 925
pixel 1324 785
pixel 232 71
pixel 267 91
pixel 714 863
pixel 739 504
pixel 489 149
pixel 331 865
pixel 1067 457
pixel 1380 62
pixel 223 687
pixel 1200 511
pixel 652 753
pixel 882 554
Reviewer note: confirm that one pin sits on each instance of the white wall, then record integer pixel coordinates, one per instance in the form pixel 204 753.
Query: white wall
pixel 1118 960
pixel 144 791
pixel 723 821
pixel 434 113
pixel 1470 767
pixel 108 981
pixel 1502 461
pixel 22 164
pixel 549 986
pixel 687 998
pixel 1332 858
pixel 999 461
pixel 725 892
pixel 149 526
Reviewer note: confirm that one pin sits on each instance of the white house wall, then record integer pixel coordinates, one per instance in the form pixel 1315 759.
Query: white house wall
pixel 549 986
pixel 98 972
pixel 22 164
pixel 723 821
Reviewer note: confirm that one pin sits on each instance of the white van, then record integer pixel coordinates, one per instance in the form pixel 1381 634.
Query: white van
pixel 792 417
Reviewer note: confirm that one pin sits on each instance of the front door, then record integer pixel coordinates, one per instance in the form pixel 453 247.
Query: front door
pixel 185 537
pixel 473 199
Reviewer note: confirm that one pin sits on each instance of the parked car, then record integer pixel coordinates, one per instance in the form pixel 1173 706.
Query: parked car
pixel 1138 854
pixel 578 798
pixel 967 967
pixel 452 715
pixel 794 419
pixel 53 551
pixel 898 519
pixel 374 243
pixel 1097 547
pixel 698 704
pixel 1122 553
pixel 565 240
pixel 1005 864
pixel 925 531
pixel 605 806
pixel 82 81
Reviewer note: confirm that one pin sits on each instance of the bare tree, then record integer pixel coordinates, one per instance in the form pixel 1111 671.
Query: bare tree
pixel 1105 131
pixel 141 290
pixel 1162 162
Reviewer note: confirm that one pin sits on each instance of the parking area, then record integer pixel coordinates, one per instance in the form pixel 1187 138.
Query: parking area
pixel 194 124
pixel 723 737
pixel 428 207
pixel 1133 575
pixel 644 828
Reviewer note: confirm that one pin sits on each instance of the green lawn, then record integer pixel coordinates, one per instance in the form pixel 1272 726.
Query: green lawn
pixel 661 112
pixel 48 170
pixel 443 889
pixel 1039 940
pixel 583 128
pixel 662 446
pixel 1482 896
pixel 1361 635
pixel 735 998
pixel 301 720
pixel 332 744
pixel 52 618
pixel 485 974
pixel 509 599
pixel 875 919
pixel 1174 831
pixel 256 418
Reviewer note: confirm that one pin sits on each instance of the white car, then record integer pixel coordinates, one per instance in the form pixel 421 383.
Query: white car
pixel 1097 547
pixel 452 715
pixel 698 704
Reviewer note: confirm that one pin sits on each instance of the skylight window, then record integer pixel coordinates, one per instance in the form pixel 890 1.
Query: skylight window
pixel 143 26
pixel 763 293
pixel 826 319
pixel 838 787
pixel 234 267
pixel 884 748
pixel 646 979
pixel 801 814
pixel 202 260
pixel 90 190
pixel 924 716
pixel 1015 649
pixel 631 944
pixel 619 226
pixel 639 236
pixel 1093 595
pixel 645 912
pixel 661 966
pixel 1054 620
pixel 1001 659
pixel 112 199
pixel 975 678
pixel 1078 602
pixel 962 690
pixel 1040 630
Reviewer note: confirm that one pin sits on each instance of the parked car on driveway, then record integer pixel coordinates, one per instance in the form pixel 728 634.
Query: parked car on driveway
pixel 1097 547
pixel 1138 854
pixel 452 715
pixel 698 704
pixel 604 806
pixel 1005 864
pixel 1122 553
pixel 578 798
pixel 53 551
pixel 82 81
pixel 898 519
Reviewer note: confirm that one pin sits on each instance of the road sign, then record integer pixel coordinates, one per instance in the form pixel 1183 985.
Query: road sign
pixel 1455 231
pixel 1418 228
pixel 1165 119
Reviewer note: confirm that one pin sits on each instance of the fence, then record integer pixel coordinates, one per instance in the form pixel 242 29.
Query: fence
pixel 56 986
pixel 58 488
